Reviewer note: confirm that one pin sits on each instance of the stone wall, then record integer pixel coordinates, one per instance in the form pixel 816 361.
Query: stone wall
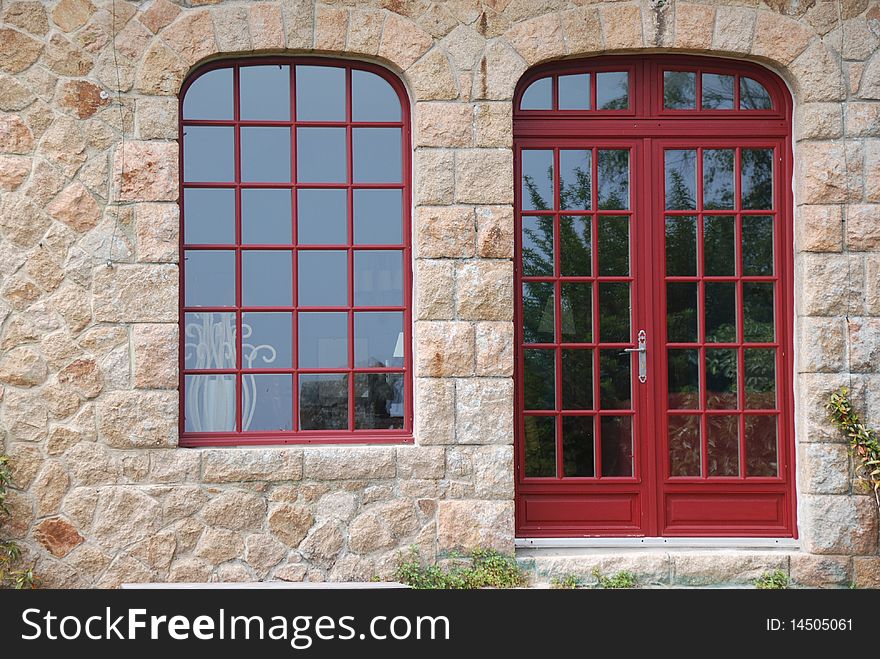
pixel 88 353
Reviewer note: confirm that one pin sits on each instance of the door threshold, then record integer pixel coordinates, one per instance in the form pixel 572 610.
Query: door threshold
pixel 629 543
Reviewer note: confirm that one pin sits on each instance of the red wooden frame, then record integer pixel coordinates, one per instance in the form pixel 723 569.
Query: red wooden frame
pixel 351 435
pixel 652 503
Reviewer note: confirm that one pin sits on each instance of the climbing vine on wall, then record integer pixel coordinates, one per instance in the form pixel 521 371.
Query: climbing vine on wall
pixel 12 574
pixel 863 441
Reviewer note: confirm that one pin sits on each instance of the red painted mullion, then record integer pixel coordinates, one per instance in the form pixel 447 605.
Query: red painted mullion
pixel 239 301
pixel 698 101
pixel 557 297
pixel 594 102
pixel 740 312
pixel 294 237
pixel 349 164
pixel 596 324
pixel 736 79
pixel 701 320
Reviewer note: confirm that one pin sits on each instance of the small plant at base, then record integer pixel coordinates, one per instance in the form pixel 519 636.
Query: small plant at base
pixel 864 443
pixel 622 579
pixel 488 569
pixel 775 580
pixel 568 582
pixel 11 576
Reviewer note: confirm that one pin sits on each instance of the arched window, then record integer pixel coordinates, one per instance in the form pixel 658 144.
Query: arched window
pixel 653 260
pixel 295 269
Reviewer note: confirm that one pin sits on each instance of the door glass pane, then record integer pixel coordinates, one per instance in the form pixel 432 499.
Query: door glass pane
pixel 753 95
pixel 720 312
pixel 758 312
pixel 321 155
pixel 576 248
pixel 378 157
pixel 684 379
pixel 617 448
pixel 323 340
pixel 761 451
pixel 612 90
pixel 685 456
pixel 681 179
pixel 265 154
pixel 613 174
pixel 323 278
pixel 209 216
pixel 578 457
pixel 209 340
pixel 538 95
pixel 757 247
pixel 265 93
pixel 574 92
pixel 539 313
pixel 577 312
pixel 540 446
pixel 574 179
pixel 378 278
pixel 266 340
pixel 681 246
pixel 267 402
pixel 321 216
pixel 378 217
pixel 719 237
pixel 613 245
pixel 378 400
pixel 539 378
pixel 208 153
pixel 266 217
pixel 717 92
pixel 320 93
pixel 614 312
pixel 210 403
pixel 378 339
pixel 679 90
pixel 210 96
pixel 373 99
pixel 577 380
pixel 681 312
pixel 323 401
pixel 266 278
pixel 721 368
pixel 757 179
pixel 615 391
pixel 537 246
pixel 537 179
pixel 210 278
pixel 718 187
pixel 722 434
pixel 760 378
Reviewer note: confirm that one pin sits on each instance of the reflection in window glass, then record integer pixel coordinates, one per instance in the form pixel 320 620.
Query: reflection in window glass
pixel 209 96
pixel 210 278
pixel 323 278
pixel 378 217
pixel 617 448
pixel 757 245
pixel 681 246
pixel 757 179
pixel 537 179
pixel 378 278
pixel 266 217
pixel 320 155
pixel 612 90
pixel 574 92
pixel 578 451
pixel 208 153
pixel 323 339
pixel 378 400
pixel 265 154
pixel 378 339
pixel 321 216
pixel 575 245
pixel 539 379
pixel 720 301
pixel 683 368
pixel 761 451
pixel 613 174
pixel 681 179
pixel 753 95
pixel 577 381
pixel 373 98
pixel 266 278
pixel 721 369
pixel 717 92
pixel 265 93
pixel 722 437
pixel 377 155
pixel 679 90
pixel 537 246
pixel 718 177
pixel 574 179
pixel 267 340
pixel 685 455
pixel 538 95
pixel 323 401
pixel 539 312
pixel 540 446
pixel 209 216
pixel 266 402
pixel 719 240
pixel 320 93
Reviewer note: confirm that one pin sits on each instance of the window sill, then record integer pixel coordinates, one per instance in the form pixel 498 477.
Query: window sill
pixel 275 439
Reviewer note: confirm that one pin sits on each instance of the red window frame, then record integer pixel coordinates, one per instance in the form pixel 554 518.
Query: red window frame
pixel 649 502
pixel 336 436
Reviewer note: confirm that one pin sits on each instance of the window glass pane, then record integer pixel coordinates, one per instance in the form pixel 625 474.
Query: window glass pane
pixel 537 180
pixel 209 96
pixel 373 99
pixel 718 178
pixel 758 312
pixel 612 90
pixel 265 92
pixel 378 278
pixel 537 246
pixel 209 216
pixel 577 312
pixel 760 380
pixel 266 278
pixel 721 379
pixel 209 279
pixel 615 391
pixel 265 154
pixel 323 401
pixel 539 379
pixel 719 236
pixel 720 312
pixel 684 379
pixel 576 248
pixel 320 93
pixel 679 90
pixel 684 446
pixel 681 246
pixel 578 452
pixel 266 340
pixel 208 153
pixel 209 340
pixel 322 278
pixel 757 179
pixel 322 216
pixel 617 448
pixel 681 179
pixel 378 339
pixel 614 245
pixel 574 92
pixel 378 217
pixel 574 179
pixel 540 445
pixel 267 402
pixel 722 433
pixel 752 95
pixel 210 403
pixel 613 177
pixel 757 245
pixel 681 312
pixel 266 217
pixel 377 155
pixel 378 400
pixel 320 155
pixel 538 313
pixel 577 380
pixel 761 452
pixel 614 312
pixel 538 96
pixel 717 92
pixel 323 339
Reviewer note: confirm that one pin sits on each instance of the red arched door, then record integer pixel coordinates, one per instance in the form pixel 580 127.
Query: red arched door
pixel 654 393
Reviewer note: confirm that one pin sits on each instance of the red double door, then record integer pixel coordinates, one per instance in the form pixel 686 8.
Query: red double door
pixel 654 335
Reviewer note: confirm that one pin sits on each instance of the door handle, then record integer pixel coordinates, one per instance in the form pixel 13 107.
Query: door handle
pixel 642 350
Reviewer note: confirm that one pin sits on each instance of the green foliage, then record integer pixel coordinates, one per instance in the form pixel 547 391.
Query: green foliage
pixel 488 569
pixel 775 580
pixel 864 443
pixel 568 582
pixel 11 575
pixel 622 579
